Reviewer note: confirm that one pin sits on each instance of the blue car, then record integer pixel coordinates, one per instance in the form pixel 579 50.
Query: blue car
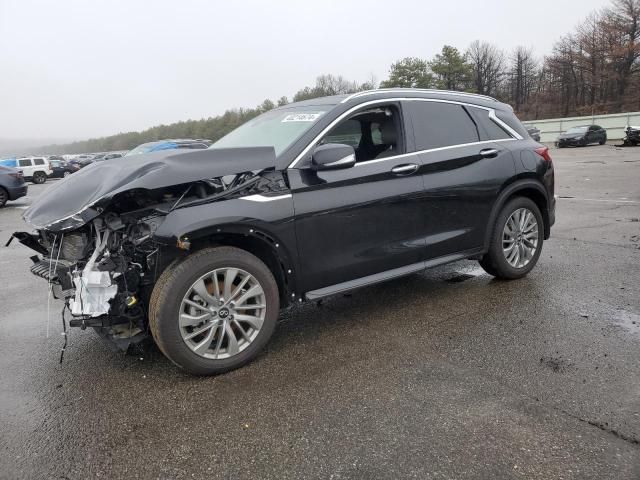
pixel 186 143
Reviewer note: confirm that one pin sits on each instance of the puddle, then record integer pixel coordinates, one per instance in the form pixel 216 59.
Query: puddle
pixel 460 277
pixel 465 274
pixel 627 321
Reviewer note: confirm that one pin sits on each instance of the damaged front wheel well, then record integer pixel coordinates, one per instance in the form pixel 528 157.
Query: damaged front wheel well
pixel 259 247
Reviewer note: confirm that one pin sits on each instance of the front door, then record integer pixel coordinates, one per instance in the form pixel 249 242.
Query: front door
pixel 366 219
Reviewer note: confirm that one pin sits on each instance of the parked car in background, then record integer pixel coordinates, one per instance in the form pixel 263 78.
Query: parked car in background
pixel 108 156
pixel 185 143
pixel 631 136
pixel 582 136
pixel 82 160
pixel 534 133
pixel 60 168
pixel 203 250
pixel 12 185
pixel 35 169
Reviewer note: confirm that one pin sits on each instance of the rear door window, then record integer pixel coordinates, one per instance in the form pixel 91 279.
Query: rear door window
pixel 25 162
pixel 438 124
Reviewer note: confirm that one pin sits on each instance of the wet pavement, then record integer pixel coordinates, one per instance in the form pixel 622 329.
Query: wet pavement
pixel 447 374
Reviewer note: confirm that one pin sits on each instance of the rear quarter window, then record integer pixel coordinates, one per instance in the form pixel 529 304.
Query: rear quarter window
pixel 487 128
pixel 437 125
pixel 38 161
pixel 512 121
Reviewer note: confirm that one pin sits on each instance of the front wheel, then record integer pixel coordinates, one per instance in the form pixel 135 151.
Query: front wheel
pixel 4 197
pixel 603 141
pixel 516 240
pixel 215 310
pixel 39 177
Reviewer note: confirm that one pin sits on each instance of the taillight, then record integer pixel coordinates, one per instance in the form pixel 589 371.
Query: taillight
pixel 17 175
pixel 544 153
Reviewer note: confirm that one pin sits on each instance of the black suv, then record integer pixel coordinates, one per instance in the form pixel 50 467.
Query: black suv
pixel 203 249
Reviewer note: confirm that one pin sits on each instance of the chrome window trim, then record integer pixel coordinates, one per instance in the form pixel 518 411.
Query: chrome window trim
pixel 324 131
pixel 511 131
pixel 417 90
pixel 263 198
pixel 450 147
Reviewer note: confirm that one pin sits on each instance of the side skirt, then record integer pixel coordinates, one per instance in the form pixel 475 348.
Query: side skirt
pixel 390 274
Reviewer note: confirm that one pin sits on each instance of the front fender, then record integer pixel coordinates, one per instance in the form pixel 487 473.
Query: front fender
pixel 264 218
pixel 270 214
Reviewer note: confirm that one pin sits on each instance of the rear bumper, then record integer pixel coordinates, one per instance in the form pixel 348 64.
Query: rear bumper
pixel 17 192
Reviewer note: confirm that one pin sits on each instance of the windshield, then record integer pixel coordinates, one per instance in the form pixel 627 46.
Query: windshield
pixel 276 128
pixel 577 130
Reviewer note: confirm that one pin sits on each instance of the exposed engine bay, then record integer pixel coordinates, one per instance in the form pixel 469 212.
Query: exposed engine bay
pixel 104 265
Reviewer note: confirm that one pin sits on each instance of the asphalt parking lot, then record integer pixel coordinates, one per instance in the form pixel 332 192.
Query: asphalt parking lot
pixel 446 374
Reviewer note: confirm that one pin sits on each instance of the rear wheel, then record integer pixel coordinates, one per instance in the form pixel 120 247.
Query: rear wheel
pixel 39 177
pixel 214 311
pixel 4 197
pixel 516 240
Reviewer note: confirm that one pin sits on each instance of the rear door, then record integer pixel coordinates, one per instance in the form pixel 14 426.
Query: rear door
pixel 26 165
pixel 359 221
pixel 464 164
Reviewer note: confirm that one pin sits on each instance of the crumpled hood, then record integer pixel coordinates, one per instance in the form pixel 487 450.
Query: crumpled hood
pixel 72 199
pixel 571 135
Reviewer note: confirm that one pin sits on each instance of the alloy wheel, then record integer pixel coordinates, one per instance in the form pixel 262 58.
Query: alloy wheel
pixel 520 238
pixel 222 313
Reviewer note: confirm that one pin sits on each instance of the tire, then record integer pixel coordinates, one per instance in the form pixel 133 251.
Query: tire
pixel 39 178
pixel 495 262
pixel 603 141
pixel 176 285
pixel 4 197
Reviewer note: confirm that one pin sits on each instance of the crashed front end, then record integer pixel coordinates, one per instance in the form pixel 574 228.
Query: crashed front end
pixel 94 232
pixel 103 271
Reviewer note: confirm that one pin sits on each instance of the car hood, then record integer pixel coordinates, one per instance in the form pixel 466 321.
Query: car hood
pixel 571 135
pixel 69 203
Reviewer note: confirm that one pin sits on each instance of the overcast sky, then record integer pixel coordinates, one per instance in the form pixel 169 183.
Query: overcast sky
pixel 77 68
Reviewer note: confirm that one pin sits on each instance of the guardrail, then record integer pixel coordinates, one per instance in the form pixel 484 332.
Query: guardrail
pixel 614 124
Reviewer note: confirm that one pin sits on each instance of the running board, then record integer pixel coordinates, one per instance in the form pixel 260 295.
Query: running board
pixel 384 276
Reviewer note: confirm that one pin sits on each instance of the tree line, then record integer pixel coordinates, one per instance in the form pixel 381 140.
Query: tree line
pixel 593 70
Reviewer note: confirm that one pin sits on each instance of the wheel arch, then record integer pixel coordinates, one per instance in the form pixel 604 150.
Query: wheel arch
pixel 529 188
pixel 256 241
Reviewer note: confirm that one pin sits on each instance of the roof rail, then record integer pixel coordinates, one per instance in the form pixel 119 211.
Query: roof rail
pixel 419 90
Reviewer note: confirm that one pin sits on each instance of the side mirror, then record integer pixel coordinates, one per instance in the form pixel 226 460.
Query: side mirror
pixel 333 156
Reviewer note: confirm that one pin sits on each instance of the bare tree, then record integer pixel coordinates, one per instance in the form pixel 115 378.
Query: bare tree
pixel 488 64
pixel 522 74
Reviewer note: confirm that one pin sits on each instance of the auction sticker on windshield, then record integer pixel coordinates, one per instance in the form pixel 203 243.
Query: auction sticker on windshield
pixel 302 117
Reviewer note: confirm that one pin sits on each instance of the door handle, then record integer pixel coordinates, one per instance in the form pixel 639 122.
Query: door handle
pixel 406 169
pixel 489 153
